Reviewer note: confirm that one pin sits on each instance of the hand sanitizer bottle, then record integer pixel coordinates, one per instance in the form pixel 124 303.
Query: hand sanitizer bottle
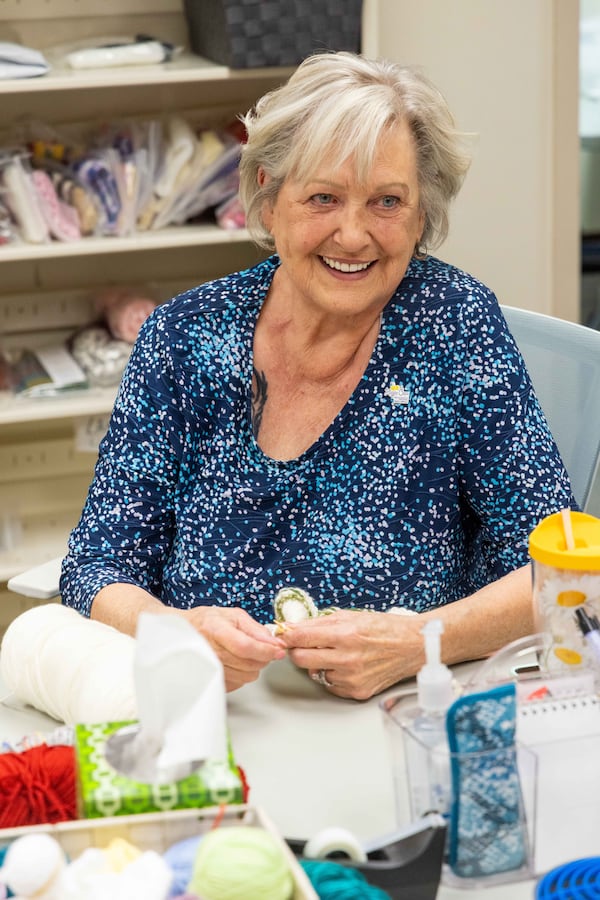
pixel 425 736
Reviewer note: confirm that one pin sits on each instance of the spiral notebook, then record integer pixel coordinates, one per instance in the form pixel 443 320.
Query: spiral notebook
pixel 565 737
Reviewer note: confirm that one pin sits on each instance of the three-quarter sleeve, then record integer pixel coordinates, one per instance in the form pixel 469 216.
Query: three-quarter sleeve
pixel 125 530
pixel 512 472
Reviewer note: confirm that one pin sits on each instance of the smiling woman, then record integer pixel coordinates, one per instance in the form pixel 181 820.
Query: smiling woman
pixel 346 245
pixel 351 417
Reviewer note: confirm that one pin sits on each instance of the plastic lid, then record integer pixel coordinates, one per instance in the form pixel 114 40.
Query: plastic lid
pixel 434 681
pixel 547 542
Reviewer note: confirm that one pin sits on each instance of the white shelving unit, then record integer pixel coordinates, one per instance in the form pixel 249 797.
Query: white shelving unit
pixel 163 239
pixel 46 289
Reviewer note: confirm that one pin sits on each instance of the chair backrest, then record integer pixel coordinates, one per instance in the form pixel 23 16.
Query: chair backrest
pixel 563 360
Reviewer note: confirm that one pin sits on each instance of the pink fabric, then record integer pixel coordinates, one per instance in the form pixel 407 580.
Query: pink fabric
pixel 62 220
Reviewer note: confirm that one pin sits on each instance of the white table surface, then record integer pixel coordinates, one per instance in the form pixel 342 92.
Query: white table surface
pixel 312 761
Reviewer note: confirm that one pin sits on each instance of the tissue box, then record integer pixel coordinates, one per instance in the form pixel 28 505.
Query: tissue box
pixel 158 831
pixel 248 33
pixel 103 791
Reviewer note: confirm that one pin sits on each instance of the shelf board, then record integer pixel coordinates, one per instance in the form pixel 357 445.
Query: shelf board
pixel 91 402
pixel 185 67
pixel 164 238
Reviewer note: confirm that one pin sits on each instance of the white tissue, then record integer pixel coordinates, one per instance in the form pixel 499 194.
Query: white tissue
pixel 180 692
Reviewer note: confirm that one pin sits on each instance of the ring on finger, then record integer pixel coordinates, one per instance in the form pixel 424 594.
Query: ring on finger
pixel 321 677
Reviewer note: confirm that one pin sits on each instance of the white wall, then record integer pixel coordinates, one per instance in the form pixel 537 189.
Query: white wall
pixel 589 8
pixel 510 73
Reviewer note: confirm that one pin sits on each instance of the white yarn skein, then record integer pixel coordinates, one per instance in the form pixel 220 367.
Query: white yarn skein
pixel 75 669
pixel 33 866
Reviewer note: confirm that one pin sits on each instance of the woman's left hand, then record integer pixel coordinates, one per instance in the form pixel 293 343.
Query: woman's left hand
pixel 360 653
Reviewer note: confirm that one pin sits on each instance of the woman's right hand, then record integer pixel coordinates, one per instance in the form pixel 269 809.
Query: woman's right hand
pixel 243 645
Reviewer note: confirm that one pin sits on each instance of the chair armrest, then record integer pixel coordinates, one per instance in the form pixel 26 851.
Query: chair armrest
pixel 40 582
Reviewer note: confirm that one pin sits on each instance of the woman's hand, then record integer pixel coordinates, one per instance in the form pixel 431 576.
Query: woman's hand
pixel 361 653
pixel 243 645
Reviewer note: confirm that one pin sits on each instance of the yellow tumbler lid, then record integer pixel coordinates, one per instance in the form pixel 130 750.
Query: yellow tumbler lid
pixel 547 543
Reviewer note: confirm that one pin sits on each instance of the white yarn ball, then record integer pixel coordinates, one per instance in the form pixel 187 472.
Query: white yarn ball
pixel 75 669
pixel 31 863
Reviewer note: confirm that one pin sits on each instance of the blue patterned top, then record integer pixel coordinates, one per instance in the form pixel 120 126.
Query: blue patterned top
pixel 423 489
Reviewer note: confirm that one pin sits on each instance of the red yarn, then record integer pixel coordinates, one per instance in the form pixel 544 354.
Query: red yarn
pixel 37 786
pixel 245 785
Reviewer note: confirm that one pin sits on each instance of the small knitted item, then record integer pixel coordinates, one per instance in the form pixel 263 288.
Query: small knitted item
pixel 292 604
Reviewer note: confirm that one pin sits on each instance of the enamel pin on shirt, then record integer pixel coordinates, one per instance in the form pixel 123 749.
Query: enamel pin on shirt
pixel 398 395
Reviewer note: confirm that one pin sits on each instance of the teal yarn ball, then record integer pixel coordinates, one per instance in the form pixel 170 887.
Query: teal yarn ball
pixel 241 863
pixel 333 881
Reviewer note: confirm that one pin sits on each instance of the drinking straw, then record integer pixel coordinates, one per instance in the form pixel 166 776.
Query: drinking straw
pixel 568 528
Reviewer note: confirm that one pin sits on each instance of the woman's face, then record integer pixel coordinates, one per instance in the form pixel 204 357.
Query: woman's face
pixel 345 245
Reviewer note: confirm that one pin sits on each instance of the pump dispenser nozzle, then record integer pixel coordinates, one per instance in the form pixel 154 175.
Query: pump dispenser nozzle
pixel 434 680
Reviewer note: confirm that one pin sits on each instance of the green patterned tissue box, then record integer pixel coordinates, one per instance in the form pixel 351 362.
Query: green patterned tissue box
pixel 104 791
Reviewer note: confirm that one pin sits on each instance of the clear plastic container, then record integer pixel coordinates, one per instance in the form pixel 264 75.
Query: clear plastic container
pixel 423 728
pixel 486 797
pixel 419 757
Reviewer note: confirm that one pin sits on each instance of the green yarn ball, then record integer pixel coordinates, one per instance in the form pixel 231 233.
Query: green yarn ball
pixel 241 863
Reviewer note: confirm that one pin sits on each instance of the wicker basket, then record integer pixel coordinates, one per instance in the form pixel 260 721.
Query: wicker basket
pixel 245 34
pixel 157 831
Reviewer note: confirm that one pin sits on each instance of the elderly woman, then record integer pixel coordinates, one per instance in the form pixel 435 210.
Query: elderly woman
pixel 350 417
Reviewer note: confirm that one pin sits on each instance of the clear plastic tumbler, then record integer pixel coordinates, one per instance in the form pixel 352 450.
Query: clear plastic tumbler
pixel 565 550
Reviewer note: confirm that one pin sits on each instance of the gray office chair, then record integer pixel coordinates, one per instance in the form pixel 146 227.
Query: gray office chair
pixel 563 360
pixel 564 363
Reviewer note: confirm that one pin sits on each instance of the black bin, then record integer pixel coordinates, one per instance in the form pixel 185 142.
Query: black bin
pixel 246 34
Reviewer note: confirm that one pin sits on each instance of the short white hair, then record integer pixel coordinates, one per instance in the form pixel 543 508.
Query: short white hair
pixel 343 102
